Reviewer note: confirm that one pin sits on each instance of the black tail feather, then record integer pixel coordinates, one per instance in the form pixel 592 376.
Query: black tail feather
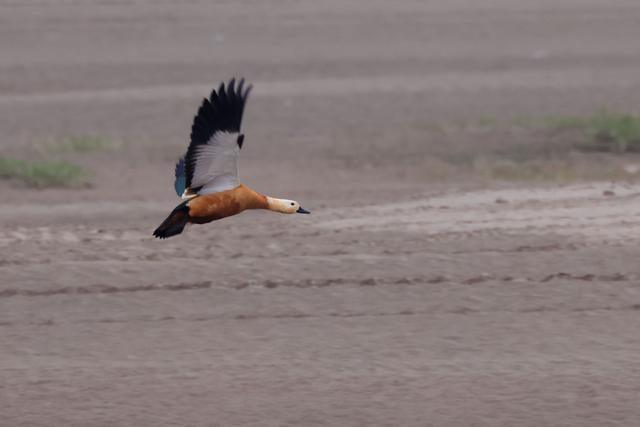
pixel 175 222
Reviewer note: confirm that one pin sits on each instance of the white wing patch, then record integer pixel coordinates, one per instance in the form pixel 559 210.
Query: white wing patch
pixel 216 164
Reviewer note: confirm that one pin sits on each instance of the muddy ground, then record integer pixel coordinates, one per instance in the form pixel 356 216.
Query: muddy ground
pixel 418 293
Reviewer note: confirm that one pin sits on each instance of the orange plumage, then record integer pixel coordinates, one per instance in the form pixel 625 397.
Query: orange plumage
pixel 209 207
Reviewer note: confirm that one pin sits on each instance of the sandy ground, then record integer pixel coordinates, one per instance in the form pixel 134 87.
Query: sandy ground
pixel 405 299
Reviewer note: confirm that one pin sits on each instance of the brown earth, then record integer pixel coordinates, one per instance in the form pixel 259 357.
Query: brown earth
pixel 418 293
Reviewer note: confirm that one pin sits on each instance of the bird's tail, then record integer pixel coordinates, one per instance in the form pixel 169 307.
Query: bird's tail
pixel 175 222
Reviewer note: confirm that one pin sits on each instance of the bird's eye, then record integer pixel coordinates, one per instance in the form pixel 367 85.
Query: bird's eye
pixel 293 204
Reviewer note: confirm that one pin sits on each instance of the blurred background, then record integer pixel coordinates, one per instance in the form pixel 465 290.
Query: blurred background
pixel 472 254
pixel 418 92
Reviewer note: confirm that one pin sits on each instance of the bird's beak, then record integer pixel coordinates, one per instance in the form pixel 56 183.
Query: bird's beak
pixel 304 211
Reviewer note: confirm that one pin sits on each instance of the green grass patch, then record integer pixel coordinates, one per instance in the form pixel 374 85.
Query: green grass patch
pixel 613 132
pixel 603 131
pixel 560 170
pixel 45 174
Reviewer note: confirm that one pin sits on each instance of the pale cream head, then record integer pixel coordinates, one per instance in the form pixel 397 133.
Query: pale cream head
pixel 285 206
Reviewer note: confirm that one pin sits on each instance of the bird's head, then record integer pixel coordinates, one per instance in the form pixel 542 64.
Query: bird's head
pixel 286 206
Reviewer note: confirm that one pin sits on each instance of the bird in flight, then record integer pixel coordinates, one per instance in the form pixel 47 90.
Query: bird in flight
pixel 207 175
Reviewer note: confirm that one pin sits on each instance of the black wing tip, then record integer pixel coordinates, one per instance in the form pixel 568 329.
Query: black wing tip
pixel 222 111
pixel 247 90
pixel 227 103
pixel 231 90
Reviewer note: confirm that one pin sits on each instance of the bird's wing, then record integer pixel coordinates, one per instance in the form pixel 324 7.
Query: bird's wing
pixel 211 162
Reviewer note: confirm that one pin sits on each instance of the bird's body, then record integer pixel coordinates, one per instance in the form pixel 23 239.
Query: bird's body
pixel 207 176
pixel 209 207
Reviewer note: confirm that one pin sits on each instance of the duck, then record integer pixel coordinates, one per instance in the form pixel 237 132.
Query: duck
pixel 206 177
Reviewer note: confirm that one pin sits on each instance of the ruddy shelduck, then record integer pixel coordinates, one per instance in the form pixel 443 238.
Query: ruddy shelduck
pixel 207 176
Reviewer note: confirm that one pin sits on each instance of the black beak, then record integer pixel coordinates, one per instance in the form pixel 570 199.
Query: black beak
pixel 304 211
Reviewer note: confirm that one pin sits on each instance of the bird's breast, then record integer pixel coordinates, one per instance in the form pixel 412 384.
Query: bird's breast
pixel 213 206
